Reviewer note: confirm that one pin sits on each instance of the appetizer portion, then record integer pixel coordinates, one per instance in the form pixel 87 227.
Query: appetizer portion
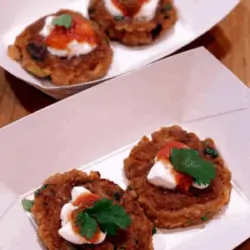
pixel 180 180
pixel 74 210
pixel 66 47
pixel 134 22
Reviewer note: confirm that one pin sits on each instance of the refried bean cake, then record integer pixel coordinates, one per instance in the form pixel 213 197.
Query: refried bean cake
pixel 75 210
pixel 64 47
pixel 179 179
pixel 134 22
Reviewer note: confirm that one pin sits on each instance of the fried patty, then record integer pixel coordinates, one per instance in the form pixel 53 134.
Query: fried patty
pixel 56 192
pixel 29 45
pixel 173 208
pixel 133 32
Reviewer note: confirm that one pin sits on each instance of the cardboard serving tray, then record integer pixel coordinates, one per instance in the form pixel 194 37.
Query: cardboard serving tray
pixel 238 210
pixel 195 18
pixel 91 124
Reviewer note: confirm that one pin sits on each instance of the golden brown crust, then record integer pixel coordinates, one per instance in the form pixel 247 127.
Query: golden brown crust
pixel 173 209
pixel 62 71
pixel 49 201
pixel 130 32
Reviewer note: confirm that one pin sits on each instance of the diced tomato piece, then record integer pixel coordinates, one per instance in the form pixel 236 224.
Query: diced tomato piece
pixel 167 148
pixel 184 182
pixel 81 31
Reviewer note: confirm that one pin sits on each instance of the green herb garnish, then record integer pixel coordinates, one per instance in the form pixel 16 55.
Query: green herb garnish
pixel 188 161
pixel 154 230
pixel 212 152
pixel 108 215
pixel 88 225
pixel 168 7
pixel 119 18
pixel 109 228
pixel 204 218
pixel 38 191
pixel 27 205
pixel 64 20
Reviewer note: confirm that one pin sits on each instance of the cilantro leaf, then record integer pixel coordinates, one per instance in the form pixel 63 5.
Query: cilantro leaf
pixel 188 161
pixel 204 218
pixel 27 205
pixel 39 191
pixel 109 228
pixel 168 7
pixel 64 20
pixel 108 213
pixel 88 225
pixel 212 152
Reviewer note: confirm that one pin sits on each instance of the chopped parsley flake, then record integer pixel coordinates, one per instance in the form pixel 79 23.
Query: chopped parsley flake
pixel 27 204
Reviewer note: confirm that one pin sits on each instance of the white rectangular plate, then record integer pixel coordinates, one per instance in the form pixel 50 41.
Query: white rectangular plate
pixel 111 167
pixel 195 18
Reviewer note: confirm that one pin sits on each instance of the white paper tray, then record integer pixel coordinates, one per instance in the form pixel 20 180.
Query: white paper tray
pixel 238 210
pixel 80 129
pixel 195 18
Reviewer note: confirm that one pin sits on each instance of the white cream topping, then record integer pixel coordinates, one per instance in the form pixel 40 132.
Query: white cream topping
pixel 74 48
pixel 112 8
pixel 48 26
pixel 146 12
pixel 200 186
pixel 162 175
pixel 66 231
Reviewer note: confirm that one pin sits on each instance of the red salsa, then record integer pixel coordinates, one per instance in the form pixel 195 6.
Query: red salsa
pixel 184 182
pixel 130 11
pixel 84 201
pixel 80 30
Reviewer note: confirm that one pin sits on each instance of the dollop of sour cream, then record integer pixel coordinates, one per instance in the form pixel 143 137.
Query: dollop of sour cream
pixel 67 231
pixel 161 174
pixel 73 48
pixel 146 12
pixel 164 175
